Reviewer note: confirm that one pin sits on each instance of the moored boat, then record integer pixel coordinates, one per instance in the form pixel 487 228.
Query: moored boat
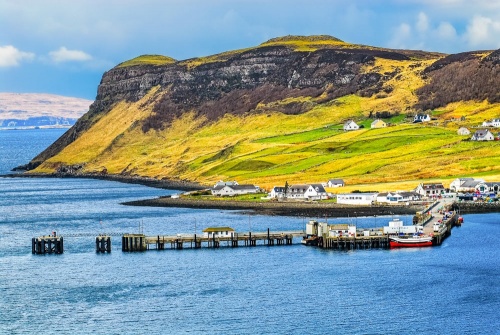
pixel 414 241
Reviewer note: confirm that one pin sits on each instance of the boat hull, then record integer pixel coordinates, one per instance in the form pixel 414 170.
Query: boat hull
pixel 411 242
pixel 396 244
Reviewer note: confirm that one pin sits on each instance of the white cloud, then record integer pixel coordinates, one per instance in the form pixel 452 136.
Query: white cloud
pixel 65 55
pixel 401 36
pixel 483 31
pixel 11 56
pixel 422 23
pixel 446 31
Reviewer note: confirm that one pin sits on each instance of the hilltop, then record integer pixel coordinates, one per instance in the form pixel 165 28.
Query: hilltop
pixel 274 113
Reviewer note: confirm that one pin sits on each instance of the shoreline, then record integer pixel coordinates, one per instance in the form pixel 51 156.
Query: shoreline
pixel 167 184
pixel 302 209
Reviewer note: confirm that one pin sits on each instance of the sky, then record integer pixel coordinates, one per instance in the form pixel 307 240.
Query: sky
pixel 64 46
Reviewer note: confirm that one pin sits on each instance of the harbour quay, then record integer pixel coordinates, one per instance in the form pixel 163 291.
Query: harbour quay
pixel 430 228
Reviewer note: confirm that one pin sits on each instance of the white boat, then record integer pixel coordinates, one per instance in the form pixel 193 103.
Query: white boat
pixel 413 241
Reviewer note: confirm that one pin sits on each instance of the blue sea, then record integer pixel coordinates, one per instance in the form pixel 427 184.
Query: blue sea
pixel 450 289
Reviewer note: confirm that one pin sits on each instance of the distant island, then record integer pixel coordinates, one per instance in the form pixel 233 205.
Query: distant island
pixel 39 110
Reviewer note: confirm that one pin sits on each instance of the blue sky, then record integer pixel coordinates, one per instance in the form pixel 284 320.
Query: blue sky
pixel 64 47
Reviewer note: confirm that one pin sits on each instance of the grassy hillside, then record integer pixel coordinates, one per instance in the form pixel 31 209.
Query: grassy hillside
pixel 267 147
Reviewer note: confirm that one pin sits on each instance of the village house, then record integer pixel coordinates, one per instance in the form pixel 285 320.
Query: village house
pixel 463 131
pixel 224 183
pixel 482 135
pixel 335 183
pixel 232 190
pixel 378 123
pixel 212 232
pixel 397 197
pixel 350 125
pixel 464 185
pixel 430 189
pixel 421 118
pixel 307 191
pixel 356 198
pixel 488 187
pixel 493 123
pixel 277 192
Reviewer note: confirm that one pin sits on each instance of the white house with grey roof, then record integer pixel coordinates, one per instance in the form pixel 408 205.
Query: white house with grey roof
pixel 482 135
pixel 277 192
pixel 307 191
pixel 335 183
pixel 493 123
pixel 421 118
pixel 232 190
pixel 350 125
pixel 465 185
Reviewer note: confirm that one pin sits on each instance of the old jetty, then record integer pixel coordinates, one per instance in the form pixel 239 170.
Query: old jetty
pixel 218 237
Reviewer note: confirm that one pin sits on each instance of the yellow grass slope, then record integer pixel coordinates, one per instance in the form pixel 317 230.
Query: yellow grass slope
pixel 270 148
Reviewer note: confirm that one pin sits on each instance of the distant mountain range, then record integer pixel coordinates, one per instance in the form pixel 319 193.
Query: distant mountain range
pixel 30 110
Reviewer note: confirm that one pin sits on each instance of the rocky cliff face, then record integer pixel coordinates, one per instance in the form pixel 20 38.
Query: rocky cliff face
pixel 235 83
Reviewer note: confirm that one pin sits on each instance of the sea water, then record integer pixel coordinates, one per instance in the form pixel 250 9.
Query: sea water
pixel 450 289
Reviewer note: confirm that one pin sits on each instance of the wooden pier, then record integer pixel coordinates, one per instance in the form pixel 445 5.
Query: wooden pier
pixel 141 242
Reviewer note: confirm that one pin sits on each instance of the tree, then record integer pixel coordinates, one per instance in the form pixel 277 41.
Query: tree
pixel 285 191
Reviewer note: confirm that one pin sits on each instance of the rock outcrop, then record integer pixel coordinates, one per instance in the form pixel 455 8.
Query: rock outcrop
pixel 236 82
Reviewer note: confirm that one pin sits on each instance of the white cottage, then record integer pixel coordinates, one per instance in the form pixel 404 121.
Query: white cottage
pixel 483 135
pixel 421 118
pixel 464 184
pixel 463 131
pixel 277 192
pixel 493 123
pixel 430 189
pixel 350 125
pixel 307 191
pixel 335 183
pixel 232 190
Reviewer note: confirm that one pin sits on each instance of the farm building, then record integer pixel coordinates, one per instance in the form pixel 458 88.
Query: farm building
pixel 378 123
pixel 232 190
pixel 421 118
pixel 335 183
pixel 463 131
pixel 350 125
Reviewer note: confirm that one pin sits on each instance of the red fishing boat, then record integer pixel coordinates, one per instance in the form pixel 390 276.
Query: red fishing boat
pixel 413 241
